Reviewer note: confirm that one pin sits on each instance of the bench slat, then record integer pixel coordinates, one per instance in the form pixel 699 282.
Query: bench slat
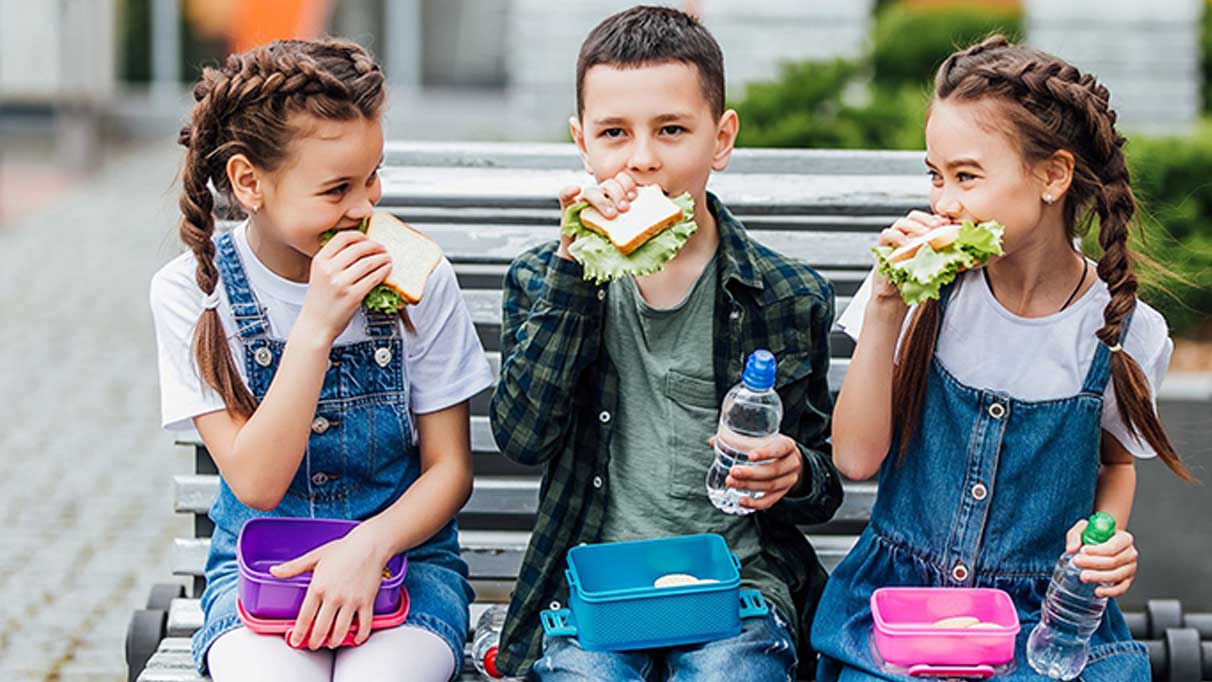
pixel 745 160
pixel 748 194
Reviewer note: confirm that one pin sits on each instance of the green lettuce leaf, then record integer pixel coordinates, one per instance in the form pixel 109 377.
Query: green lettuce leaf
pixel 920 278
pixel 602 262
pixel 381 299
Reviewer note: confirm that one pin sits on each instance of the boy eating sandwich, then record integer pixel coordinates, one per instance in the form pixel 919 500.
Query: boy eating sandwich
pixel 620 340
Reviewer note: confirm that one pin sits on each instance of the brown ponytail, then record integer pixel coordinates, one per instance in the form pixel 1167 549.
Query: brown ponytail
pixel 244 107
pixel 911 371
pixel 1051 106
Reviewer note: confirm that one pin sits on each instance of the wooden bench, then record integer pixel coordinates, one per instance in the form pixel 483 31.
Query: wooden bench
pixel 485 203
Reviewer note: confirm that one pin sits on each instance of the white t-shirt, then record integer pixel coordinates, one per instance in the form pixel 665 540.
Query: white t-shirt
pixel 985 346
pixel 445 362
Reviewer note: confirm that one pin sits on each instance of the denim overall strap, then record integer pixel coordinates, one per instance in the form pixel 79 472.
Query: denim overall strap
pixel 1100 369
pixel 250 319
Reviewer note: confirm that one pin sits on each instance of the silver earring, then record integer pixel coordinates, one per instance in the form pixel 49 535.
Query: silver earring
pixel 1047 199
pixel 257 207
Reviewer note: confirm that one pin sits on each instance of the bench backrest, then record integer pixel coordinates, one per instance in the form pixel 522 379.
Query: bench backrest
pixel 485 203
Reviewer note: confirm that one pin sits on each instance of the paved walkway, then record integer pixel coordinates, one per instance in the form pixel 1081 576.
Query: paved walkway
pixel 85 507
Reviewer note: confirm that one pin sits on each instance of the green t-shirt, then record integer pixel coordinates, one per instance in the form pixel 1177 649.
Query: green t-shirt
pixel 667 411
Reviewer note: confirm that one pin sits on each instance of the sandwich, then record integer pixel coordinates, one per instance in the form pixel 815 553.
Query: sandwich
pixel 928 262
pixel 638 241
pixel 413 258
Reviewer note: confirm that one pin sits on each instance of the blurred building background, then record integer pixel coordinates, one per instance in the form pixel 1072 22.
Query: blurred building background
pixel 503 69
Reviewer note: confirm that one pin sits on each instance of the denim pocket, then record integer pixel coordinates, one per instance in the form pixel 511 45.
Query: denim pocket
pixel 692 418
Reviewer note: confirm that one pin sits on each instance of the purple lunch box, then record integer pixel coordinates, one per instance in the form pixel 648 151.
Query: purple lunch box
pixel 269 541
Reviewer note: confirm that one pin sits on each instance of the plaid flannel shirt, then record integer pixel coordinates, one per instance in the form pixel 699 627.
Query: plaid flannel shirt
pixel 558 389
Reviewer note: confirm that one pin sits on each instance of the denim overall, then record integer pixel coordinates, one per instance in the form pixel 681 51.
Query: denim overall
pixel 360 458
pixel 984 497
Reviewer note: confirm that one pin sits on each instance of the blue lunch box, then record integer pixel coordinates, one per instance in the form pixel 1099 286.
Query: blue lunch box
pixel 613 605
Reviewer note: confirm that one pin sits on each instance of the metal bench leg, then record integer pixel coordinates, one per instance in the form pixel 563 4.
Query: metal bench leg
pixel 147 627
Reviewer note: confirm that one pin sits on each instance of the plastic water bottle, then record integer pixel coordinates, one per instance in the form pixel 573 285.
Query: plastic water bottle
pixel 749 419
pixel 488 637
pixel 1060 644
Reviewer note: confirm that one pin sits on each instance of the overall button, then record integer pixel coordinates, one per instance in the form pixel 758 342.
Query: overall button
pixel 382 356
pixel 319 478
pixel 601 294
pixel 979 492
pixel 597 481
pixel 997 410
pixel 604 417
pixel 263 356
pixel 960 572
pixel 320 425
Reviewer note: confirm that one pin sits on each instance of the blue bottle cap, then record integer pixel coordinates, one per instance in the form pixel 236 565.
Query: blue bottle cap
pixel 759 371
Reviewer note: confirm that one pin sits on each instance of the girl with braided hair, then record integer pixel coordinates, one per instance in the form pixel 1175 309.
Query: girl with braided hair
pixel 1003 413
pixel 310 404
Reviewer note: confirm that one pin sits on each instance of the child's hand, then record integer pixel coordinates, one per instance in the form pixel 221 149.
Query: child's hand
pixel 610 198
pixel 914 224
pixel 345 579
pixel 342 273
pixel 781 466
pixel 1113 563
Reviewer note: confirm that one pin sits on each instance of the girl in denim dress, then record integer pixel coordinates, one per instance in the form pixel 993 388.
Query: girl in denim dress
pixel 310 404
pixel 1004 413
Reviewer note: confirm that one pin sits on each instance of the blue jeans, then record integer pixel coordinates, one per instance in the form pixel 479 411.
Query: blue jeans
pixel 763 651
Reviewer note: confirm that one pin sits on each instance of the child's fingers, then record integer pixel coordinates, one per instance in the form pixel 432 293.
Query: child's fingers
pixel 617 194
pixel 371 280
pixel 340 626
pixel 1098 562
pixel 295 566
pixel 366 616
pixel 1118 543
pixel 307 613
pixel 628 184
pixel 356 251
pixel 782 482
pixel 598 199
pixel 568 195
pixel 1114 591
pixel 927 219
pixel 339 241
pixel 766 471
pixel 1073 539
pixel 322 625
pixel 1111 577
pixel 362 267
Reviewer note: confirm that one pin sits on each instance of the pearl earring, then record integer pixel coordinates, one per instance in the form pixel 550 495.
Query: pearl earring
pixel 1048 199
pixel 257 207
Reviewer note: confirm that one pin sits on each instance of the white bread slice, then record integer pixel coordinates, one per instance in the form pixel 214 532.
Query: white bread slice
pixel 413 255
pixel 938 238
pixel 649 213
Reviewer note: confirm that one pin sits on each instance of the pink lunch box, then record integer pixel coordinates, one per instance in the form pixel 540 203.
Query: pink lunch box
pixel 906 639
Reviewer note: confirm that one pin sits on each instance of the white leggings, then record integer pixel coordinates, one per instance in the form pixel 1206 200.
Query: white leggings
pixel 401 654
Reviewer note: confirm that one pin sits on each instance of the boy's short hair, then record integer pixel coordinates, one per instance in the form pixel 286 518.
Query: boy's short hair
pixel 646 35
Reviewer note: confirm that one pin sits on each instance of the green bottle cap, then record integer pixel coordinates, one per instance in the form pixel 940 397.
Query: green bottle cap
pixel 1100 529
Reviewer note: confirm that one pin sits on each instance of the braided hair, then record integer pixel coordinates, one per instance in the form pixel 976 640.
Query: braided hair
pixel 1051 105
pixel 245 107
